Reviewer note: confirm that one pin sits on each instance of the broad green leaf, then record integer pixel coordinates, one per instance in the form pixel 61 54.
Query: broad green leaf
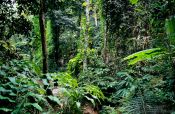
pixel 4 90
pixel 55 99
pixel 12 79
pixel 2 73
pixel 45 82
pixel 95 97
pixel 6 98
pixel 35 105
pixel 84 4
pixel 91 100
pixel 143 55
pixel 12 94
pixel 78 104
pixel 6 109
pixel 133 1
pixel 41 91
pixel 38 97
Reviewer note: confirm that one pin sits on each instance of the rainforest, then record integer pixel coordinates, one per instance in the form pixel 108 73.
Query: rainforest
pixel 87 56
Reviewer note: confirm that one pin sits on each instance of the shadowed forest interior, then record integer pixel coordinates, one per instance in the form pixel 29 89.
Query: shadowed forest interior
pixel 87 56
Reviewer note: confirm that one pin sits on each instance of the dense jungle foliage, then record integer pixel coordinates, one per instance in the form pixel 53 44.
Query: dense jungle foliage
pixel 87 56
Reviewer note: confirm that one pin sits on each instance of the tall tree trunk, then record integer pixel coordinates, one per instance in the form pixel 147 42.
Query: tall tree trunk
pixel 85 62
pixel 79 22
pixel 106 35
pixel 56 40
pixel 43 37
pixel 95 15
pixel 105 46
pixel 56 29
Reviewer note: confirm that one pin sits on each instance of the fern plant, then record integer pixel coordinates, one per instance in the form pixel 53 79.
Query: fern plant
pixel 21 90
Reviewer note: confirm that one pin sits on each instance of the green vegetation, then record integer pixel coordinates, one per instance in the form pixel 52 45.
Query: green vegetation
pixel 87 57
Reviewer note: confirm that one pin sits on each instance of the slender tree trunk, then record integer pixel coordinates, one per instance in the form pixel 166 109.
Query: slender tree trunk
pixel 79 22
pixel 56 40
pixel 105 48
pixel 86 36
pixel 56 29
pixel 95 16
pixel 43 37
pixel 106 35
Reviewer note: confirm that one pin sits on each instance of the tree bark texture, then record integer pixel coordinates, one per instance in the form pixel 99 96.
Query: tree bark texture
pixel 85 62
pixel 43 37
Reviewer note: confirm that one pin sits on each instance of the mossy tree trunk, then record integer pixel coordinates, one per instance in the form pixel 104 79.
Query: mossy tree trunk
pixel 86 41
pixel 43 37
